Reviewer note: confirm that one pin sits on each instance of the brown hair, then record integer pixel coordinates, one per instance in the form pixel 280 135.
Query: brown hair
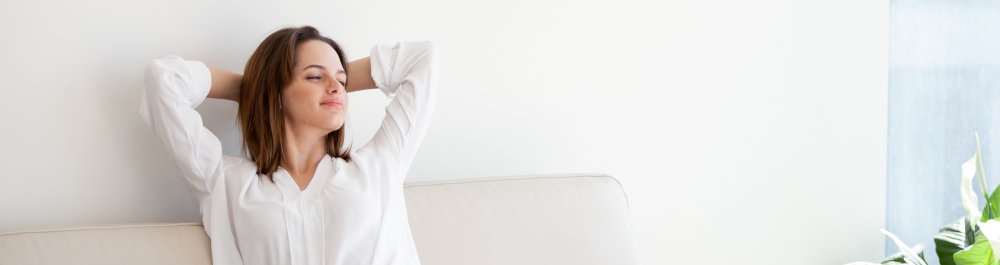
pixel 267 73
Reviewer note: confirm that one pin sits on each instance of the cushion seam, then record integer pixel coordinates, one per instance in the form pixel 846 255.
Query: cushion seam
pixel 98 228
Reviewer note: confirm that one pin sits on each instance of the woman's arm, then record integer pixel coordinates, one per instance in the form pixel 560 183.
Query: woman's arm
pixel 171 88
pixel 225 84
pixel 359 75
pixel 406 72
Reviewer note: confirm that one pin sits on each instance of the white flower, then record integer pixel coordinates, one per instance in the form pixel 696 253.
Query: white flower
pixel 991 230
pixel 970 169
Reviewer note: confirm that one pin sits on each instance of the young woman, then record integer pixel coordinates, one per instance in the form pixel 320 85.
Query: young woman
pixel 301 197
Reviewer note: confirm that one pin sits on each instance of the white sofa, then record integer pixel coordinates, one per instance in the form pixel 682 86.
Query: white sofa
pixel 539 219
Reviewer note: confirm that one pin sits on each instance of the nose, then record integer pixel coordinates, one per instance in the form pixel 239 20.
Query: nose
pixel 335 86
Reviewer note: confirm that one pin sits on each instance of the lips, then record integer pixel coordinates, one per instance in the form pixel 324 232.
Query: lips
pixel 334 102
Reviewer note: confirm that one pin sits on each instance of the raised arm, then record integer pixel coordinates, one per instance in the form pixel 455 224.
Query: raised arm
pixel 171 88
pixel 406 72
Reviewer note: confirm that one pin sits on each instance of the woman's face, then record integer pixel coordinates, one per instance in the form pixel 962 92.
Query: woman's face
pixel 316 97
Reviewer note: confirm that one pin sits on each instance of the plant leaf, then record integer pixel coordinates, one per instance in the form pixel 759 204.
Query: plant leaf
pixel 909 255
pixel 898 257
pixel 992 209
pixel 970 233
pixel 980 253
pixel 951 239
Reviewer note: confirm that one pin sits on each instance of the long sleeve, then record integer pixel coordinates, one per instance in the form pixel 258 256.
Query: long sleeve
pixel 171 88
pixel 406 72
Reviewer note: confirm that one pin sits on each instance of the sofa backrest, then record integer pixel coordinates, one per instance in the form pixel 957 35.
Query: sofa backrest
pixel 539 219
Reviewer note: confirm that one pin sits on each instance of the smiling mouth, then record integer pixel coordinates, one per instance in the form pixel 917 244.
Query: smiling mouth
pixel 333 103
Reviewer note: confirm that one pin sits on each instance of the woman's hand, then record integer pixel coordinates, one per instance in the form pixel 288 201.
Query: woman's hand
pixel 225 84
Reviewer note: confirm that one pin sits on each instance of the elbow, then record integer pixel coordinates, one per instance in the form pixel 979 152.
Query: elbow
pixel 177 79
pixel 428 55
pixel 165 84
pixel 158 71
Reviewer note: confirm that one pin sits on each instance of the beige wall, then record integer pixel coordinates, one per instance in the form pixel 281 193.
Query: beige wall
pixel 742 131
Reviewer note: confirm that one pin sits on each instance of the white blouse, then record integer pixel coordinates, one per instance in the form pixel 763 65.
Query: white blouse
pixel 350 213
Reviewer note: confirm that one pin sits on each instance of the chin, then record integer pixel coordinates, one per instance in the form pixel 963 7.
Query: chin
pixel 334 127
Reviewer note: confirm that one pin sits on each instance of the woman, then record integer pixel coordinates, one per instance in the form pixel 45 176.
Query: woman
pixel 301 197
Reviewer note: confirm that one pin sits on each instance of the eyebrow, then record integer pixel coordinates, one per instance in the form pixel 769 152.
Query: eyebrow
pixel 341 71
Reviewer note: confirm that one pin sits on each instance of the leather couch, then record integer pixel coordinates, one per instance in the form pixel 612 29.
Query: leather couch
pixel 537 219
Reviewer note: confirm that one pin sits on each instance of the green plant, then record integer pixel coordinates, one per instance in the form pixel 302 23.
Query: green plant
pixel 968 240
pixel 906 255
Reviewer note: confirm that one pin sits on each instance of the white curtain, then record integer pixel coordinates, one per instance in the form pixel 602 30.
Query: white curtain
pixel 944 85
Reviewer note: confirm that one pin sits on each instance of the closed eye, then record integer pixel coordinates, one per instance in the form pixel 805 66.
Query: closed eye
pixel 315 77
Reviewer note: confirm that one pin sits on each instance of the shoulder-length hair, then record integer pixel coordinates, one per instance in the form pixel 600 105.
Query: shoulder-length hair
pixel 267 73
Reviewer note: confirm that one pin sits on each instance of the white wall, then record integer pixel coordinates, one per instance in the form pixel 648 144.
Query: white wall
pixel 742 131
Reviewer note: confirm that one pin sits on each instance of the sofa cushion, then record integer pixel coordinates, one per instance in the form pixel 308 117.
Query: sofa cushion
pixel 176 243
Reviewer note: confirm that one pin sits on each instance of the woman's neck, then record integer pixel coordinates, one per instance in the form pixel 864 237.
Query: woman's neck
pixel 302 152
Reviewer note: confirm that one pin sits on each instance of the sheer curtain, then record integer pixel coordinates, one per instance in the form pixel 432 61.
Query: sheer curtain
pixel 944 85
